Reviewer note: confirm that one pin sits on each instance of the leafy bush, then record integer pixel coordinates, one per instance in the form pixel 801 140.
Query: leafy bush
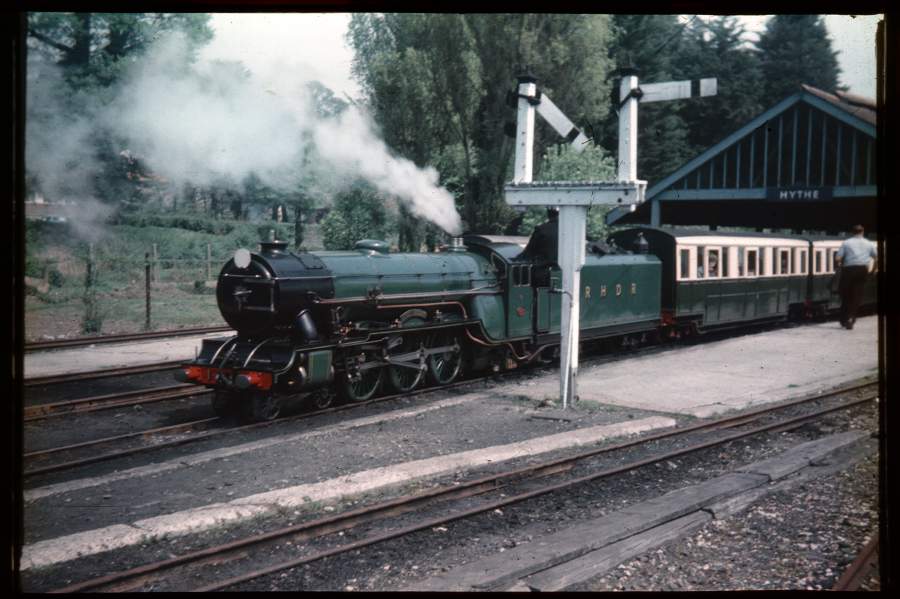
pixel 358 214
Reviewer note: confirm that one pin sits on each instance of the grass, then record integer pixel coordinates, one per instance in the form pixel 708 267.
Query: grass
pixel 182 296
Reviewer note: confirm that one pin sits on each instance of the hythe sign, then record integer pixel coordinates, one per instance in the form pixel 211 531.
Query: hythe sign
pixel 798 194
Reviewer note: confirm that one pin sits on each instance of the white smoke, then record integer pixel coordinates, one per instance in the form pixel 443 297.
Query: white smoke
pixel 350 144
pixel 59 142
pixel 214 122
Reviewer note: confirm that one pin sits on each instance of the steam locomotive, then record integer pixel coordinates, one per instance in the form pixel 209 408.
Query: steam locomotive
pixel 357 322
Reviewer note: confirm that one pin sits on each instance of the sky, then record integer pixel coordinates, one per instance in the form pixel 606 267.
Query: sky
pixel 314 43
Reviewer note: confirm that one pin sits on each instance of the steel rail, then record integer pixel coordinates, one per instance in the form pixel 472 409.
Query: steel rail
pixel 247 427
pixel 153 431
pixel 110 401
pixel 100 374
pixel 466 489
pixel 860 568
pixel 119 337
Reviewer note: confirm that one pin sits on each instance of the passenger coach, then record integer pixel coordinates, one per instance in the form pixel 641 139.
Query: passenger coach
pixel 718 280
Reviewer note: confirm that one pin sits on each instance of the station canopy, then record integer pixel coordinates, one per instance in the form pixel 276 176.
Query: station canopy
pixel 807 163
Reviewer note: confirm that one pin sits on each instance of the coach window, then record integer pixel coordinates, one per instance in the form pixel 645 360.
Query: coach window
pixel 751 262
pixel 526 275
pixel 784 261
pixel 741 257
pixel 701 262
pixel 801 263
pixel 832 260
pixel 818 267
pixel 684 263
pixel 713 261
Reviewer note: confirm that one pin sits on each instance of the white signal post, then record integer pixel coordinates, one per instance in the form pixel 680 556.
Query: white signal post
pixel 573 198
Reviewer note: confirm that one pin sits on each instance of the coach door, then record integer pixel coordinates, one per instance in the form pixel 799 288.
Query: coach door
pixel 519 309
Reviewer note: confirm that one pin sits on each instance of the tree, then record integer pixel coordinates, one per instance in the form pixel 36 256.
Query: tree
pixel 93 48
pixel 74 61
pixel 437 85
pixel 795 49
pixel 717 49
pixel 651 44
pixel 317 183
pixel 564 163
pixel 358 213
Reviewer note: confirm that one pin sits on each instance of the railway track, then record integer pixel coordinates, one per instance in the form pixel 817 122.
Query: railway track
pixel 188 426
pixel 110 401
pixel 56 379
pixel 80 406
pixel 861 567
pixel 489 493
pixel 118 338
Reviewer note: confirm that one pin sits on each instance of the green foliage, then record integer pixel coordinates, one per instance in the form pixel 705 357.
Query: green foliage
pixel 200 224
pixel 95 48
pixel 718 49
pixel 795 49
pixel 200 287
pixel 357 214
pixel 437 84
pixel 650 43
pixel 565 163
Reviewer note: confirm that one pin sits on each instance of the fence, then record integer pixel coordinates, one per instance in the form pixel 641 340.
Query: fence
pixel 79 294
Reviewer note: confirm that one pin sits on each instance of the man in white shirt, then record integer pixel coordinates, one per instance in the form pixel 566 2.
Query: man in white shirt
pixel 853 258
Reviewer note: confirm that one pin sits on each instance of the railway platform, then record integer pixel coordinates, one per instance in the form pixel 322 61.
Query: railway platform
pixel 711 378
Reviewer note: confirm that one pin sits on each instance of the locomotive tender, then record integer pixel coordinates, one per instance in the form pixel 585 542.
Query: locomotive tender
pixel 364 319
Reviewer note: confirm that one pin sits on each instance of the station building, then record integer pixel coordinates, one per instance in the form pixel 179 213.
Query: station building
pixel 806 164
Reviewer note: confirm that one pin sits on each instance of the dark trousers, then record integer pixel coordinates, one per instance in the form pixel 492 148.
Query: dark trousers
pixel 853 279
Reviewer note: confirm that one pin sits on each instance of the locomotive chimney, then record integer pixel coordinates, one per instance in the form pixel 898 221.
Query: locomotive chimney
pixel 456 245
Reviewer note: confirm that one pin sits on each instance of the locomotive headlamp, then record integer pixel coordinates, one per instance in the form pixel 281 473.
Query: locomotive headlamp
pixel 242 258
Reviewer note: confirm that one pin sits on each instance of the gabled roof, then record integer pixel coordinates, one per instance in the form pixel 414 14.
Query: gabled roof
pixel 851 110
pixel 858 106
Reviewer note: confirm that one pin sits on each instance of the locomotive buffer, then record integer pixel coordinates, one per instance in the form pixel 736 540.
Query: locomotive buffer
pixel 573 198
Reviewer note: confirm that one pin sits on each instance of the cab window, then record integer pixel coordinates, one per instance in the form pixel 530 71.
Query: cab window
pixel 521 275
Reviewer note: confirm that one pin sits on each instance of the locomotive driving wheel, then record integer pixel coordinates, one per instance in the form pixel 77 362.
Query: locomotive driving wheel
pixel 444 367
pixel 360 385
pixel 406 378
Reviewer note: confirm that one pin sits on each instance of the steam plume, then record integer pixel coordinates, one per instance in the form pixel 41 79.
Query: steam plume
pixel 214 123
